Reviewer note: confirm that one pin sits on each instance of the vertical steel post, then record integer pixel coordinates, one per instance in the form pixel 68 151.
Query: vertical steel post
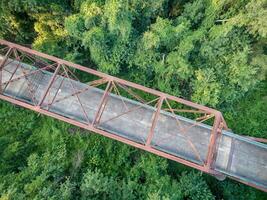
pixel 213 140
pixel 102 105
pixel 2 66
pixel 49 85
pixel 55 96
pixel 154 122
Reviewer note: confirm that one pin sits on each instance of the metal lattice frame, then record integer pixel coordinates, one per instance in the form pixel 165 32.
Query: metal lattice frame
pixel 161 102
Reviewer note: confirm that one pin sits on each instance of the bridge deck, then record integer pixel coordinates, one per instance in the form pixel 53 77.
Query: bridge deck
pixel 237 157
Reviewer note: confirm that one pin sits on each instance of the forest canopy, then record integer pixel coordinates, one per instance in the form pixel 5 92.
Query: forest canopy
pixel 212 52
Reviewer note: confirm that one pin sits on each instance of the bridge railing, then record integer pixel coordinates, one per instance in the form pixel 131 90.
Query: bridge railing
pixel 58 74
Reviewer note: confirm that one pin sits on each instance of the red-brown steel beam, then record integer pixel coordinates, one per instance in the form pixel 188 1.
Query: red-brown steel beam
pixel 102 105
pixel 213 139
pixel 200 107
pixel 186 130
pixel 90 85
pixel 107 134
pixel 219 121
pixel 11 77
pixel 123 140
pixel 182 130
pixel 55 96
pixel 77 95
pixel 130 110
pixel 28 82
pixel 118 80
pixel 51 82
pixel 132 93
pixel 117 92
pixel 28 74
pixel 2 66
pixel 154 122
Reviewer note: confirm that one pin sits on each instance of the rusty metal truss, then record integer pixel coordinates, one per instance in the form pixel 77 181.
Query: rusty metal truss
pixel 59 75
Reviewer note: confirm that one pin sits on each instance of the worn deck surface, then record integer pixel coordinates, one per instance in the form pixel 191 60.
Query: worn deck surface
pixel 236 156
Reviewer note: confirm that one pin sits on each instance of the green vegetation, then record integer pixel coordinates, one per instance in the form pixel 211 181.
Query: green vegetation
pixel 209 51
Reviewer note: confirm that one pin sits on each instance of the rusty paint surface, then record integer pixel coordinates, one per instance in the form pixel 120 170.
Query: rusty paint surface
pixel 111 107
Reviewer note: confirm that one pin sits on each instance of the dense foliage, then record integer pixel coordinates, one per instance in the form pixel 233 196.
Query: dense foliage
pixel 209 51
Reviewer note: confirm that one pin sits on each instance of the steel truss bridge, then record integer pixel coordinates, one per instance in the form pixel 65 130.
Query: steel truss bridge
pixel 165 125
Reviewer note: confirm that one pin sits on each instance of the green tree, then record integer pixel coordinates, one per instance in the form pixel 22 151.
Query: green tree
pixel 194 186
pixel 212 52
